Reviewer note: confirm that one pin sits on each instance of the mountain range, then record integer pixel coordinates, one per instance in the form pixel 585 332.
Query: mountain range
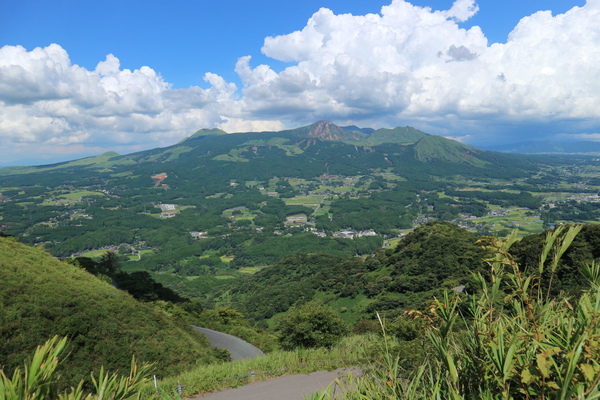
pixel 328 148
pixel 339 178
pixel 227 188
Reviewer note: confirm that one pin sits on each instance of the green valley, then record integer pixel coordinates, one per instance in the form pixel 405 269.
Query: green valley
pixel 217 203
pixel 258 233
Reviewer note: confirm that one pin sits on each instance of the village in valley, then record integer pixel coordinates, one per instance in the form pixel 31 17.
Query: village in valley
pixel 315 199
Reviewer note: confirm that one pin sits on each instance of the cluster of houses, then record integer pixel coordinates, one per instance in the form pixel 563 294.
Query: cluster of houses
pixel 168 210
pixel 302 220
pixel 353 234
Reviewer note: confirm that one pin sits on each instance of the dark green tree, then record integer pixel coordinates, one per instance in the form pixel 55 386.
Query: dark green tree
pixel 109 264
pixel 311 325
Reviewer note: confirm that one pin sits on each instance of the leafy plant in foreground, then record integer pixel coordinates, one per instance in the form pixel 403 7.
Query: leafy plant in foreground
pixel 39 379
pixel 511 341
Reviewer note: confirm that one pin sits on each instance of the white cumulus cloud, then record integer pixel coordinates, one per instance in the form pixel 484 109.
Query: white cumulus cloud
pixel 404 65
pixel 415 64
pixel 46 99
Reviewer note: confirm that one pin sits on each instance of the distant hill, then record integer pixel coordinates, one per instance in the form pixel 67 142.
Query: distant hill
pixel 405 135
pixel 434 257
pixel 548 147
pixel 308 151
pixel 325 130
pixel 41 297
pixel 429 148
pixel 95 161
pixel 204 132
pixel 354 128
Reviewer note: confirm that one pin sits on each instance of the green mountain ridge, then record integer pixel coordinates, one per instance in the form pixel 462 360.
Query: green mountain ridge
pixel 41 296
pixel 400 135
pixel 217 145
pixel 431 148
pixel 325 130
pixel 99 161
pixel 204 132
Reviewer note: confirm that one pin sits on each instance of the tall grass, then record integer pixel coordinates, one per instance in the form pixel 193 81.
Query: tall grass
pixel 510 341
pixel 38 379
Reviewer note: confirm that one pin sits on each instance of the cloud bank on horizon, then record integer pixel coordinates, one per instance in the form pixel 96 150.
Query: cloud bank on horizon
pixel 407 65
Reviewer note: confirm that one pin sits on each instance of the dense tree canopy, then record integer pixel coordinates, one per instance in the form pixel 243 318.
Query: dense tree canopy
pixel 310 325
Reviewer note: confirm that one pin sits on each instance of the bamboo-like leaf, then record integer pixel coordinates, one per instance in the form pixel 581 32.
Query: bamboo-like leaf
pixel 566 384
pixel 526 376
pixel 509 359
pixel 548 245
pixel 552 384
pixel 565 243
pixel 543 363
pixel 561 246
pixel 452 368
pixel 591 273
pixel 589 371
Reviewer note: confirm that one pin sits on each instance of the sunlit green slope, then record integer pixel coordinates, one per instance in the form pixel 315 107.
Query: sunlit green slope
pixel 41 297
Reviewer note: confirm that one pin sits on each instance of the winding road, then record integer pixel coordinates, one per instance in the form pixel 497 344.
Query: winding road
pixel 238 348
pixel 288 387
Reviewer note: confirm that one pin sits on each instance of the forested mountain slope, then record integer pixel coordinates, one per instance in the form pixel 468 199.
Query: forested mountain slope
pixel 302 152
pixel 216 204
pixel 41 297
pixel 434 257
pixel 567 279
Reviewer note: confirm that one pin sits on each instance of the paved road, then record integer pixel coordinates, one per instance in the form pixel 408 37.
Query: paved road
pixel 289 387
pixel 238 348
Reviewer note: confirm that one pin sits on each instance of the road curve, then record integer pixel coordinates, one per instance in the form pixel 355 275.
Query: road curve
pixel 288 387
pixel 238 349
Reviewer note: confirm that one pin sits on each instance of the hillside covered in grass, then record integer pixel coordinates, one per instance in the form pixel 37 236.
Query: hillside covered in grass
pixel 41 296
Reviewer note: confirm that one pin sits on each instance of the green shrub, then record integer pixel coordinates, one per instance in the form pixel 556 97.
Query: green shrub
pixel 311 325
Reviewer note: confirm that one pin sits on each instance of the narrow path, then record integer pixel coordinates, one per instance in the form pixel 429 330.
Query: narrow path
pixel 289 387
pixel 238 348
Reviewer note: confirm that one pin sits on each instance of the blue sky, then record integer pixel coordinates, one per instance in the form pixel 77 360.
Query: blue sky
pixel 78 78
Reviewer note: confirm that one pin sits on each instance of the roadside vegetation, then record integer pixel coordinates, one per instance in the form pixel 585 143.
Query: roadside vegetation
pixel 348 352
pixel 40 378
pixel 510 338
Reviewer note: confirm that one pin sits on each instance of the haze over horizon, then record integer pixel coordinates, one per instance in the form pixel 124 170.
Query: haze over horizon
pixel 81 78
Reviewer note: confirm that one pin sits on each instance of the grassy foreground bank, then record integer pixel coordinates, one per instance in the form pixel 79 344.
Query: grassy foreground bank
pixel 39 378
pixel 351 351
